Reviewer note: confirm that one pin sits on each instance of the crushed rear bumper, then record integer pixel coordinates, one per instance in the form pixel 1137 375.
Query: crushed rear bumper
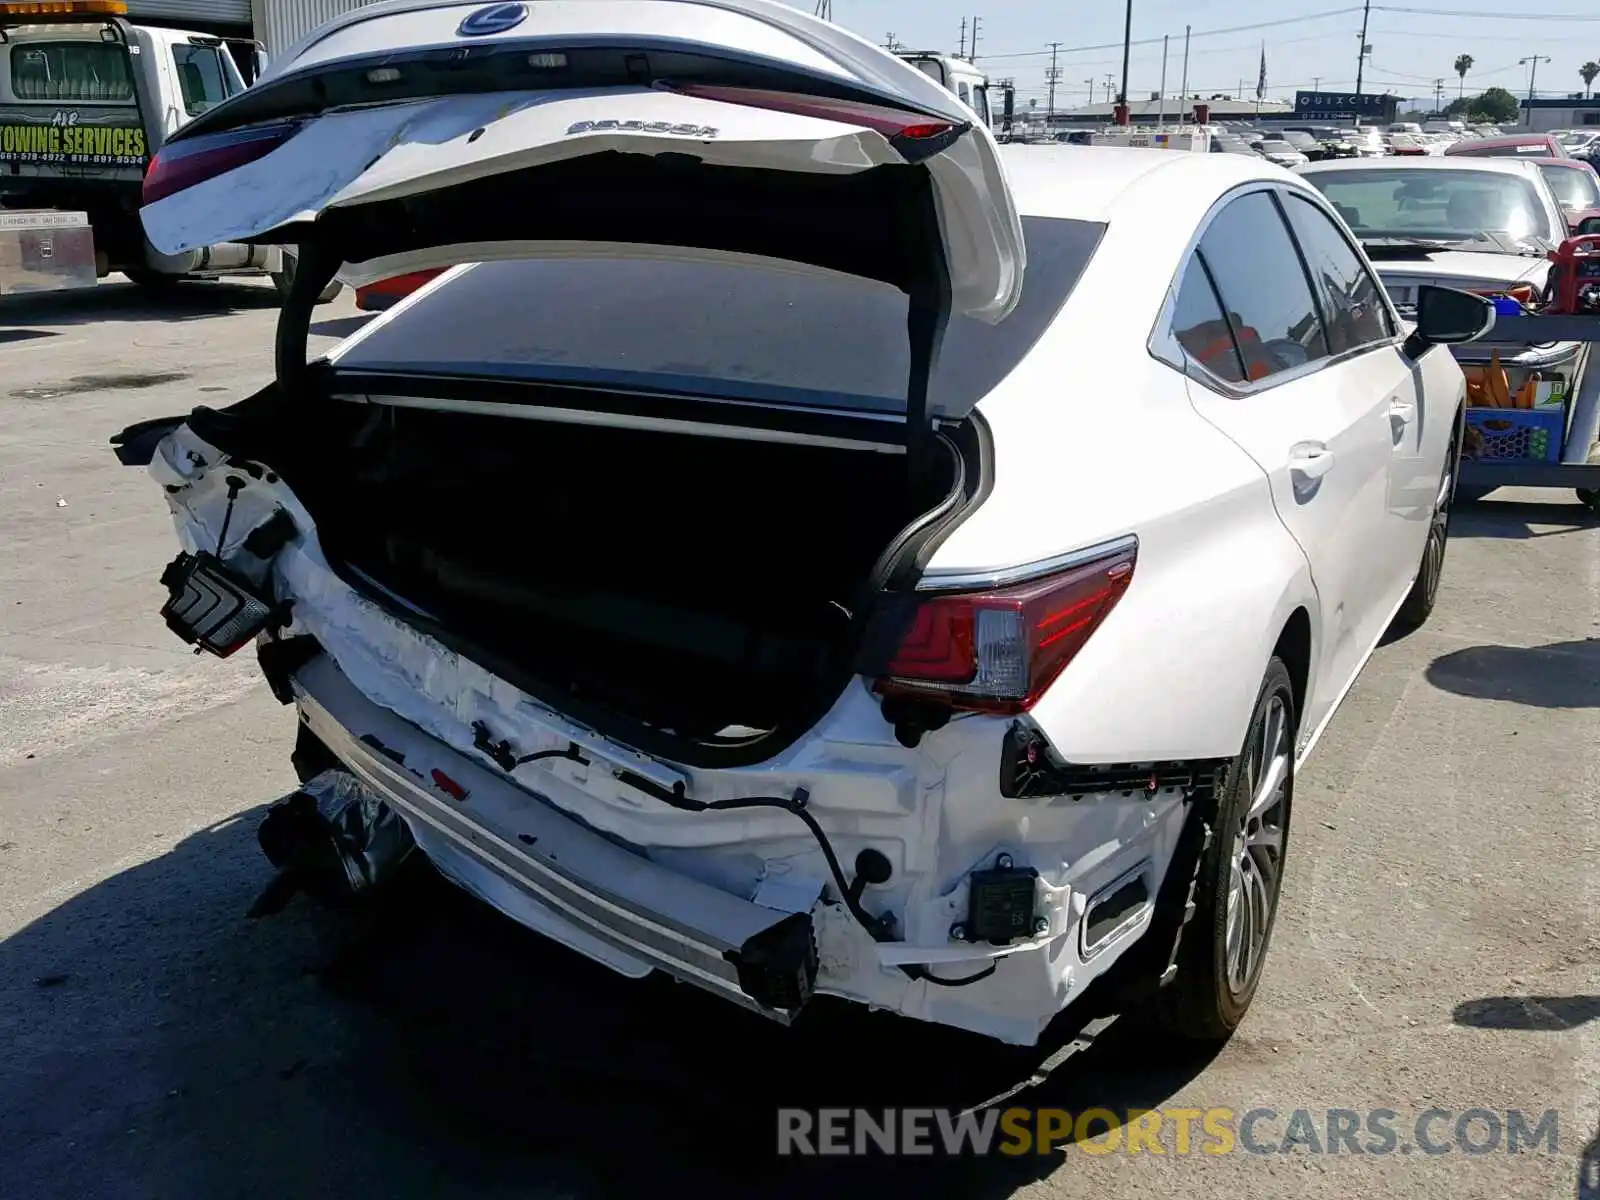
pixel 551 873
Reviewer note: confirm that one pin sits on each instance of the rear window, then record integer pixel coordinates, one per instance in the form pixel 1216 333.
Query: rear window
pixel 84 72
pixel 719 328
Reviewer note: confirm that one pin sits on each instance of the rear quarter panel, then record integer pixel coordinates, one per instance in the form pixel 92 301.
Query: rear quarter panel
pixel 1173 672
pixel 1095 439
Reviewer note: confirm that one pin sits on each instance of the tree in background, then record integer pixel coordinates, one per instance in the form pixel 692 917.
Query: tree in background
pixel 1463 65
pixel 1589 70
pixel 1495 107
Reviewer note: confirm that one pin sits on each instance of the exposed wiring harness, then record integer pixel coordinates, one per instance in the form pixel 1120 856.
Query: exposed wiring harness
pixel 880 928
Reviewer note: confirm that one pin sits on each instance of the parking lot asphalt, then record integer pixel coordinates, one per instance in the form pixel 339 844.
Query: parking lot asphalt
pixel 1437 949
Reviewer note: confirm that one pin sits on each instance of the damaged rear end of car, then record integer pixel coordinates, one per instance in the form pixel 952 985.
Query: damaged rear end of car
pixel 603 559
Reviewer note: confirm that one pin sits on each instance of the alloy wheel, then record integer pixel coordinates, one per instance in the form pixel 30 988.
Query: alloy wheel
pixel 1256 860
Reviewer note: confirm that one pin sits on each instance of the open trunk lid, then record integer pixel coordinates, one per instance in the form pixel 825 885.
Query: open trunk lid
pixel 394 138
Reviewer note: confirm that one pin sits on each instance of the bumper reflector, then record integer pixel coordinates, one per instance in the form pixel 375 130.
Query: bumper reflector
pixel 210 607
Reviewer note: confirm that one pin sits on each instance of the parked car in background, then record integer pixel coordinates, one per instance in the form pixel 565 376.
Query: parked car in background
pixel 1279 152
pixel 1518 145
pixel 1577 141
pixel 1303 141
pixel 1482 225
pixel 1407 144
pixel 1230 143
pixel 1368 141
pixel 901 725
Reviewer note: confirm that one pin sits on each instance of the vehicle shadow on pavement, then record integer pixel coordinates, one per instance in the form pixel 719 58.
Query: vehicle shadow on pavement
pixel 161 1045
pixel 1542 1014
pixel 1528 1012
pixel 1518 520
pixel 197 300
pixel 1560 675
pixel 341 327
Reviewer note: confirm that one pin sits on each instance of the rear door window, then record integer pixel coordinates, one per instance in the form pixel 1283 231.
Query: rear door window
pixel 1352 305
pixel 1263 287
pixel 79 72
pixel 717 326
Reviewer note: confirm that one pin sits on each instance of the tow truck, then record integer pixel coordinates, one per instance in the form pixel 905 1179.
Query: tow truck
pixel 86 100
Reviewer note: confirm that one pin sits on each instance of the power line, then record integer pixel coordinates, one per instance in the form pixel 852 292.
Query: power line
pixel 1484 16
pixel 1199 33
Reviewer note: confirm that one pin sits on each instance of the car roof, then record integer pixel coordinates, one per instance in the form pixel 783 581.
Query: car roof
pixel 1089 183
pixel 1505 141
pixel 1465 162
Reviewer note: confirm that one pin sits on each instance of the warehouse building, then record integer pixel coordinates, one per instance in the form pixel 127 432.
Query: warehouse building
pixel 1568 112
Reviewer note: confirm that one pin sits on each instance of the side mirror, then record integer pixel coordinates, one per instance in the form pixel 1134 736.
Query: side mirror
pixel 1447 317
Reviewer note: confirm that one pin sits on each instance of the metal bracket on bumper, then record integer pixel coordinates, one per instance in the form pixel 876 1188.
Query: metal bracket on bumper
pixel 602 892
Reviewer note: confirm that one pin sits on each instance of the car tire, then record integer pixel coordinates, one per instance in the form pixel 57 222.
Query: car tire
pixel 1418 605
pixel 283 280
pixel 1240 877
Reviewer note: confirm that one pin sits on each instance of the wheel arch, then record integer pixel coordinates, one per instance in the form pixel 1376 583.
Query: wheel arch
pixel 1294 648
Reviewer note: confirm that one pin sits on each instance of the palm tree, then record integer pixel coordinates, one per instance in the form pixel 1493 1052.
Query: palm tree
pixel 1463 65
pixel 1589 70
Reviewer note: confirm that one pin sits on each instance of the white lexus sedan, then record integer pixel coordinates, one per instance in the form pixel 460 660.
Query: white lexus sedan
pixel 803 551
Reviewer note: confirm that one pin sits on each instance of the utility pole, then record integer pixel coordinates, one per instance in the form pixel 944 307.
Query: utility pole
pixel 1185 88
pixel 1161 113
pixel 891 43
pixel 973 55
pixel 1127 41
pixel 1363 50
pixel 1052 77
pixel 1532 63
pixel 824 9
pixel 962 53
pixel 1316 83
pixel 1090 82
pixel 1110 79
pixel 1438 96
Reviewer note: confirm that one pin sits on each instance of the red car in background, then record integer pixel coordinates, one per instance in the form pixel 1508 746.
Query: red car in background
pixel 376 297
pixel 1515 145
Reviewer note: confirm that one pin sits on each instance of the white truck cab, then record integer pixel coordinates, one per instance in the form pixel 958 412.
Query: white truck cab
pixel 86 100
pixel 970 85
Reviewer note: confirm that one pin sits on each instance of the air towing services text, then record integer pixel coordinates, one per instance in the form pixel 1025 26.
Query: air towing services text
pixel 1171 1131
pixel 87 144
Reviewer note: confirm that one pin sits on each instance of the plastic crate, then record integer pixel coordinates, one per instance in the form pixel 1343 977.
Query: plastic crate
pixel 1508 434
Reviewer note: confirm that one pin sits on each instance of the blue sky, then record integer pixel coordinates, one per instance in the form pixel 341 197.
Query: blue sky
pixel 1309 40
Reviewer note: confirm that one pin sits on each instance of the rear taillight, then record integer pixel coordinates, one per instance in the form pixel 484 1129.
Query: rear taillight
pixel 185 163
pixel 997 651
pixel 891 122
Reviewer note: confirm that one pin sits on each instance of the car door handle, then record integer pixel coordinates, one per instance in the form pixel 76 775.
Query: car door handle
pixel 1310 460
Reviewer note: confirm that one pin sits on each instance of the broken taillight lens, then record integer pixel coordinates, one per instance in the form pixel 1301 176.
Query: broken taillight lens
pixel 182 164
pixel 997 651
pixel 209 606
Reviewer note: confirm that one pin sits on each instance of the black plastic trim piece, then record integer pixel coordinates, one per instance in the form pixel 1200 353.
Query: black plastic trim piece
pixel 1030 768
pixel 778 967
pixel 282 658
